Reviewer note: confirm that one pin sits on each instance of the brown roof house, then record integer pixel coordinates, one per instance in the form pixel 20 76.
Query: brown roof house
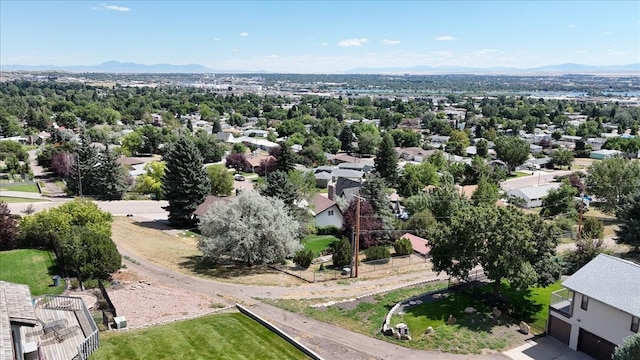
pixel 203 208
pixel 46 327
pixel 420 245
pixel 325 211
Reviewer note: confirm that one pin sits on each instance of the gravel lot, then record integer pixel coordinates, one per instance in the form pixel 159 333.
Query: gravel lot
pixel 144 303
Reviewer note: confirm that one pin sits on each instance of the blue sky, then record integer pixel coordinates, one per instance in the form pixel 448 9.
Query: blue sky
pixel 321 36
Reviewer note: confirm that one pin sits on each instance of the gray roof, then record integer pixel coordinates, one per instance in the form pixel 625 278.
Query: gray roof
pixel 15 307
pixel 349 193
pixel 533 192
pixel 346 173
pixel 323 175
pixel 610 280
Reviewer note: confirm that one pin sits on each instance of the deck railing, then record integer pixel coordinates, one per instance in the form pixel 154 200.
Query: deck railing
pixel 561 301
pixel 89 345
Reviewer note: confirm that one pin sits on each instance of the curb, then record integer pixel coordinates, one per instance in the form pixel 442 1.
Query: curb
pixel 280 333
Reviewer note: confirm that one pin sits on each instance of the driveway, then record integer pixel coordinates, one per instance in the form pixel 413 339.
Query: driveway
pixel 545 348
pixel 538 177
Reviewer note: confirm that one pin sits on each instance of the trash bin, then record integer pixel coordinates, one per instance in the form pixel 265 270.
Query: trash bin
pixel 56 280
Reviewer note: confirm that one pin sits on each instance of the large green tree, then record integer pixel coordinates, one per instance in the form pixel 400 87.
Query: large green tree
pixel 251 228
pixel 487 193
pixel 562 157
pixel 151 181
pixel 374 191
pixel 629 217
pixel 186 183
pixel 610 180
pixel 82 178
pixel 8 228
pixel 386 161
pixel 285 158
pixel 512 150
pixel 346 139
pixel 415 177
pixel 278 186
pixel 110 177
pixel 560 201
pixel 221 180
pixel 629 349
pixel 479 236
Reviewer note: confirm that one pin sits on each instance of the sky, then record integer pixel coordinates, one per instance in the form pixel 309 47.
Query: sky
pixel 320 36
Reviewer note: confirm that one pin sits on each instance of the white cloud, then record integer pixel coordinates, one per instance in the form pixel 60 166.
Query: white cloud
pixel 325 44
pixel 234 50
pixel 571 26
pixel 606 33
pixel 244 34
pixel 444 38
pixel 215 39
pixel 485 51
pixel 353 42
pixel 112 8
pixel 389 42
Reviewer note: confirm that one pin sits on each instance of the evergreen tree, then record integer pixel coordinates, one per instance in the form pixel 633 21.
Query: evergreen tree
pixel 110 179
pixel 346 138
pixel 373 190
pixel 81 179
pixel 278 186
pixel 186 183
pixel 286 159
pixel 629 217
pixel 386 161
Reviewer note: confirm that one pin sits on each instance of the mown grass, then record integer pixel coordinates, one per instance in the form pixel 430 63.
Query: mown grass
pixel 317 243
pixel 33 188
pixel 31 267
pixel 219 337
pixel 16 200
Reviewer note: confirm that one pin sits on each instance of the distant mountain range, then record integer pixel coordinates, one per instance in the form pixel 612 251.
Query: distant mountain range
pixel 127 67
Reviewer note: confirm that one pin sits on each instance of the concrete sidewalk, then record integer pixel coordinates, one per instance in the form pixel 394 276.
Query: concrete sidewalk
pixel 20 194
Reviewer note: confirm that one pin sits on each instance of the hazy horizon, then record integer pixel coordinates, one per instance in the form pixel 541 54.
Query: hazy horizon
pixel 321 36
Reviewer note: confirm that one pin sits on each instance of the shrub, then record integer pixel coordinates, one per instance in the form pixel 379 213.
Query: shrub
pixel 328 230
pixel 629 349
pixel 342 252
pixel 75 284
pixel 322 268
pixel 403 247
pixel 303 258
pixel 377 252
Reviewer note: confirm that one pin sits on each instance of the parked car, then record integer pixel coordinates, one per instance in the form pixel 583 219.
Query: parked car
pixel 238 177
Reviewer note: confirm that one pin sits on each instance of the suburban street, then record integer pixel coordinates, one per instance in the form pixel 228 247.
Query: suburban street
pixel 538 177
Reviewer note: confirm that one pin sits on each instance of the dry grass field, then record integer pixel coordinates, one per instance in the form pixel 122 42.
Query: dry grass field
pixel 156 243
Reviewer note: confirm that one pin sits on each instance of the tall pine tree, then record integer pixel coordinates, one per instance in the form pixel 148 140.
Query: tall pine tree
pixel 111 179
pixel 81 179
pixel 346 139
pixel 286 159
pixel 186 183
pixel 386 160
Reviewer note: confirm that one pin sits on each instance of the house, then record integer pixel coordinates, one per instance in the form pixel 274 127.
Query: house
pixel 598 307
pixel 322 179
pixel 48 327
pixel 532 195
pixel 604 154
pixel 364 167
pixel 203 208
pixel 420 245
pixel 347 174
pixel 416 154
pixel 325 211
pixel 534 149
pixel 255 161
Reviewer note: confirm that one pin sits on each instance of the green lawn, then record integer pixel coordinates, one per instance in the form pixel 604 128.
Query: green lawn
pixel 31 267
pixel 517 174
pixel 25 188
pixel 219 337
pixel 317 243
pixel 8 200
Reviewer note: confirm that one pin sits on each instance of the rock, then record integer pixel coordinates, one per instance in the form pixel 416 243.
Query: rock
pixel 470 310
pixel 405 337
pixel 429 330
pixel 451 320
pixel 496 312
pixel 524 328
pixel 412 302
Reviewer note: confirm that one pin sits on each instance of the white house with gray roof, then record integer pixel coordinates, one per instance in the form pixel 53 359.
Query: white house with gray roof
pixel 598 308
pixel 532 195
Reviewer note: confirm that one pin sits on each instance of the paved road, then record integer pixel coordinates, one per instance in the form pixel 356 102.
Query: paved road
pixel 537 178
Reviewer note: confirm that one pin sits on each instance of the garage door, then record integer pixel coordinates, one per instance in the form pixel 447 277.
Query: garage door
pixel 594 345
pixel 559 329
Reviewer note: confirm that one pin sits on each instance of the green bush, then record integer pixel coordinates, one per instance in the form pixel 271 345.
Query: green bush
pixel 377 252
pixel 303 258
pixel 342 252
pixel 403 247
pixel 328 230
pixel 629 349
pixel 322 268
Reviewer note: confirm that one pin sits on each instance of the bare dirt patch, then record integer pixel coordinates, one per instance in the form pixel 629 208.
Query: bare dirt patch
pixel 160 245
pixel 144 303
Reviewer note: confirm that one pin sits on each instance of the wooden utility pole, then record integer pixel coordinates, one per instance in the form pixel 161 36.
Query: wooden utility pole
pixel 357 233
pixel 580 220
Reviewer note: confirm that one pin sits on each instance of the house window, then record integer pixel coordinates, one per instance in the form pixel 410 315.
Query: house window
pixel 330 212
pixel 585 302
pixel 635 323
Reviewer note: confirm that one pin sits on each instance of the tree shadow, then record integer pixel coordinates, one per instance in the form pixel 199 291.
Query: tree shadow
pixel 154 224
pixel 227 270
